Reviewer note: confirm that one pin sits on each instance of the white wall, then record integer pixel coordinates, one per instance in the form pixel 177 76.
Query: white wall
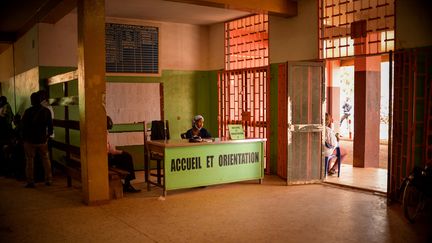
pixel 296 38
pixel 182 46
pixel 413 23
pixel 26 51
pixel 58 43
pixel 26 80
pixel 216 45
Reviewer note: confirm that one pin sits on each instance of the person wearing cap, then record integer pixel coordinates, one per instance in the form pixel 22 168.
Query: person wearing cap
pixel 198 129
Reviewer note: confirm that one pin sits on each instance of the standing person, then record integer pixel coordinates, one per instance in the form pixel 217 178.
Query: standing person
pixel 6 116
pixel 45 103
pixel 37 127
pixel 122 160
pixel 346 110
pixel 18 154
pixel 6 110
pixel 331 142
pixel 198 129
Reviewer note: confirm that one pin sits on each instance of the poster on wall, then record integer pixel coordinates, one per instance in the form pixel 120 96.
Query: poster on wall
pixel 132 103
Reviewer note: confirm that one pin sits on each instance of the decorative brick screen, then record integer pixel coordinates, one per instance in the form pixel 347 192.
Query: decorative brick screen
pixel 246 42
pixel 370 22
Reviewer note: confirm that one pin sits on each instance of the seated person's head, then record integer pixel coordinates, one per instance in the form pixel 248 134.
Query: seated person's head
pixel 198 122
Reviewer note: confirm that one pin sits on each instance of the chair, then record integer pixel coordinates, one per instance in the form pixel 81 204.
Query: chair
pixel 159 131
pixel 327 160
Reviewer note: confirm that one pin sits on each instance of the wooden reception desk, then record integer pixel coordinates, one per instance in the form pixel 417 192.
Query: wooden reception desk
pixel 188 165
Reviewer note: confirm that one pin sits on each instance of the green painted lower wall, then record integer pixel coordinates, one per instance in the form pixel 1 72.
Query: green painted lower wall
pixel 186 93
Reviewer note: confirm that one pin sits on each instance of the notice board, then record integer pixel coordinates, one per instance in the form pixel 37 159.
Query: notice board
pixel 131 48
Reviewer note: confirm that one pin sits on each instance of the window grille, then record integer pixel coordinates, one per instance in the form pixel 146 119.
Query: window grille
pixel 132 48
pixel 246 42
pixel 370 22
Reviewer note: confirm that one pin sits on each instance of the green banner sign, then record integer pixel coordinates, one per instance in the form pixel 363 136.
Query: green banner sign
pixel 209 164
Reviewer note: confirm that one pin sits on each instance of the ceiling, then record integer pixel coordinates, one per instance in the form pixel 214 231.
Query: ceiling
pixel 17 16
pixel 169 11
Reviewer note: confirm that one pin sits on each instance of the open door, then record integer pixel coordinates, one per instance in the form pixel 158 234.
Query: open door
pixel 305 101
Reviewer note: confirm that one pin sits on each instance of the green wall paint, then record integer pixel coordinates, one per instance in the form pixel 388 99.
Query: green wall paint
pixel 187 93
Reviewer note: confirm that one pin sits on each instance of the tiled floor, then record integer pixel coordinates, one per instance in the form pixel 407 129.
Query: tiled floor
pixel 235 212
pixel 374 179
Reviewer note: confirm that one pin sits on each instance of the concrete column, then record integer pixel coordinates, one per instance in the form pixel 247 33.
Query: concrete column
pixel 91 88
pixel 367 96
pixel 333 93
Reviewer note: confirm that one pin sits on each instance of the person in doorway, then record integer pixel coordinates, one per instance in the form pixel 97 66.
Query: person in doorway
pixel 346 110
pixel 198 129
pixel 37 126
pixel 122 160
pixel 331 142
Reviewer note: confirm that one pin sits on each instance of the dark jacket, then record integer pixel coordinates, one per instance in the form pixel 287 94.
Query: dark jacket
pixel 37 124
pixel 203 133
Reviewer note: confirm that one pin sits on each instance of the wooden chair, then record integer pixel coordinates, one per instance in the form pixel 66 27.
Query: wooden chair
pixel 327 160
pixel 159 131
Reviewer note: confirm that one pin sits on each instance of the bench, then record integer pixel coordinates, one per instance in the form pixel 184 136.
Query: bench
pixel 71 167
pixel 68 155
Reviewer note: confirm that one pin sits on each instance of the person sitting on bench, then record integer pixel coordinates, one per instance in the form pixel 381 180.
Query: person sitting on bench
pixel 122 160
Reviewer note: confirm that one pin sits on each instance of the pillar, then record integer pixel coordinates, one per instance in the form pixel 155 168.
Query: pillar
pixel 91 89
pixel 333 93
pixel 367 97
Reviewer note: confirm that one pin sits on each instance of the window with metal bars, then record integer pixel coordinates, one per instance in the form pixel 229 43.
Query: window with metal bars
pixel 131 48
pixel 355 27
pixel 246 42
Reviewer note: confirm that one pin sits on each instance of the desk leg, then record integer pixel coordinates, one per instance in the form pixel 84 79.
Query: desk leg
pixel 260 181
pixel 146 170
pixel 146 174
pixel 158 168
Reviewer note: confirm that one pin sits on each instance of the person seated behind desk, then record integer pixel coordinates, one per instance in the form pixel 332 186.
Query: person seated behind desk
pixel 198 129
pixel 122 160
pixel 331 142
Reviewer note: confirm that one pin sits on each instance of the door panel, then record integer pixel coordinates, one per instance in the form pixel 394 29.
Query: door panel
pixel 304 117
